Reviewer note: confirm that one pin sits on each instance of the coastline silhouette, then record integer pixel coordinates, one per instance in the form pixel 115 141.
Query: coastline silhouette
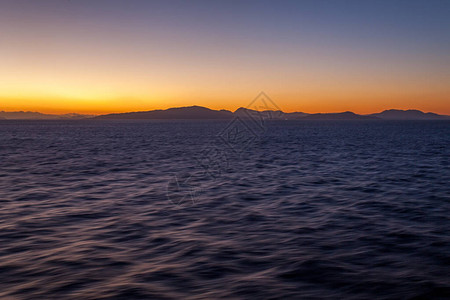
pixel 203 113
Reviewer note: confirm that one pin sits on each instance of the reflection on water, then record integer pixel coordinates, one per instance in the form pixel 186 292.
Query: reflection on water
pixel 311 210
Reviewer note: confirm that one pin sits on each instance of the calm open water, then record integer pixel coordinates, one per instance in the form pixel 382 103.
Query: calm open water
pixel 166 210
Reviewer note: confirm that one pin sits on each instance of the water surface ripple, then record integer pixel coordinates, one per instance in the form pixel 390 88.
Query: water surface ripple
pixel 313 210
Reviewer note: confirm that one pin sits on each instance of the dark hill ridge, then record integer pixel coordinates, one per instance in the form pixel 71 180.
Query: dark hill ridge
pixel 348 115
pixel 198 112
pixel 190 112
pixel 29 115
pixel 269 114
pixel 410 114
pixel 203 113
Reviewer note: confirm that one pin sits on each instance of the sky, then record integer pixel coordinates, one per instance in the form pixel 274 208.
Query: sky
pixel 103 56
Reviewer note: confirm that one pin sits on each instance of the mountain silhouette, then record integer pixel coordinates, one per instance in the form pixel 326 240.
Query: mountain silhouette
pixel 29 115
pixel 203 113
pixel 410 114
pixel 348 115
pixel 190 112
pixel 245 113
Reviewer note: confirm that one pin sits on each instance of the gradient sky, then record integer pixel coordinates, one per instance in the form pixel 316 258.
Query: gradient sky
pixel 99 56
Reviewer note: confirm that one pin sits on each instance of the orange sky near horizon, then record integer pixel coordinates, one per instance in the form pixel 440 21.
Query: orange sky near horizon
pixel 96 107
pixel 82 83
pixel 109 57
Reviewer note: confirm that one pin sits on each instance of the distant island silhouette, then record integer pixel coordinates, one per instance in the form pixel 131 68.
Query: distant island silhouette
pixel 31 115
pixel 203 113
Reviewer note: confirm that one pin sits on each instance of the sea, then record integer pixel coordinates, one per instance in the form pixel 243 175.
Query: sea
pixel 179 209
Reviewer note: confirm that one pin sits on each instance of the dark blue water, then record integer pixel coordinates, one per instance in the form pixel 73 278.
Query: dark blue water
pixel 167 210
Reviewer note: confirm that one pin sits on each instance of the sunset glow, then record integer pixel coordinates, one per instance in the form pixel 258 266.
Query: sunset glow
pixel 116 56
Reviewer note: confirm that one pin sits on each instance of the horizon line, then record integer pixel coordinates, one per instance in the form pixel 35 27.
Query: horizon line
pixel 221 109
